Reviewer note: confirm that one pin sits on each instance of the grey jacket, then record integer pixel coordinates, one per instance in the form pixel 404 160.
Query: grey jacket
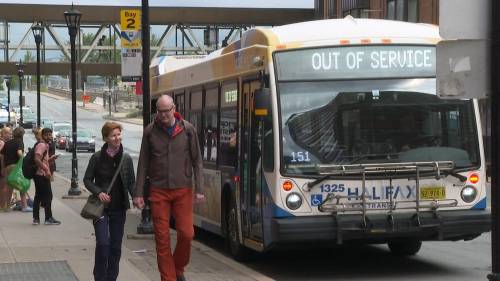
pixel 98 185
pixel 170 161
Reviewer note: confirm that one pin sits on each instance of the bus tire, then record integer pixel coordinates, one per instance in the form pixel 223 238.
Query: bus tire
pixel 236 249
pixel 404 247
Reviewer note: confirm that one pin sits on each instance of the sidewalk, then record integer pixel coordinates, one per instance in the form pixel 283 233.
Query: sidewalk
pixel 73 243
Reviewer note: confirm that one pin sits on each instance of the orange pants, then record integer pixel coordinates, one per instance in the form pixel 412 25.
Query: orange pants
pixel 179 203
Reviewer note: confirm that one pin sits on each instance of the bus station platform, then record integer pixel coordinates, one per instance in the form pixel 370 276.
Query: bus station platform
pixel 66 252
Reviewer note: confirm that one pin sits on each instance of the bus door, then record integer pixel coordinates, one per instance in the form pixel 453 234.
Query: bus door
pixel 251 176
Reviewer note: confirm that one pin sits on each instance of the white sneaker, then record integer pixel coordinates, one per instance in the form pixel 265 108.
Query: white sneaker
pixel 27 209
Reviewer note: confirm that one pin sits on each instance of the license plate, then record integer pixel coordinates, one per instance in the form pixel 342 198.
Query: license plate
pixel 433 192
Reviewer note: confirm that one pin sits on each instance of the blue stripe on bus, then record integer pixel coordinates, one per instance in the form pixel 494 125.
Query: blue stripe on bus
pixel 481 204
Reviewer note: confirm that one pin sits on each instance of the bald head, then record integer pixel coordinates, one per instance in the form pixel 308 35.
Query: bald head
pixel 164 100
pixel 165 109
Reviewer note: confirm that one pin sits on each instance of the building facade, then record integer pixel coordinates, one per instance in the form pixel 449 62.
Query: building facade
pixel 426 11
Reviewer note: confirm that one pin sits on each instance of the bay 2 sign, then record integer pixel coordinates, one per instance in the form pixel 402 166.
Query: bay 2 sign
pixel 360 62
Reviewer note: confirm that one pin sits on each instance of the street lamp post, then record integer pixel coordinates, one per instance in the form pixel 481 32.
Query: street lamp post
pixel 20 73
pixel 73 22
pixel 7 83
pixel 37 33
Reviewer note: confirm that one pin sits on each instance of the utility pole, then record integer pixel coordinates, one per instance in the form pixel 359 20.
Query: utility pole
pixel 495 155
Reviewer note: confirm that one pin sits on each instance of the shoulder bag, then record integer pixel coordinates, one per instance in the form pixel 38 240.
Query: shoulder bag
pixel 94 207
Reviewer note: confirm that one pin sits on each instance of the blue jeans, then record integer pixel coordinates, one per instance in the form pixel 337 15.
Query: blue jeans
pixel 108 234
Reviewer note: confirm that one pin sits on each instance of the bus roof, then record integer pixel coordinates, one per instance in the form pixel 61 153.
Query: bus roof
pixel 327 31
pixel 331 32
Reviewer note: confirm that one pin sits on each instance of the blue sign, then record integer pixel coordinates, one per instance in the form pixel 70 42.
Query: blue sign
pixel 316 199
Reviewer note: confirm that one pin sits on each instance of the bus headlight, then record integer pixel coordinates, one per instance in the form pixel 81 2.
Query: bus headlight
pixel 293 201
pixel 468 193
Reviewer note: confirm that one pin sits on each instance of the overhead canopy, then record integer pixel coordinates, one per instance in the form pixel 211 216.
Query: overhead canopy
pixel 158 15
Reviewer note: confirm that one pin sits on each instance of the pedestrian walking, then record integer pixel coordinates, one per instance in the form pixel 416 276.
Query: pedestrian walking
pixel 98 177
pixel 170 154
pixel 43 188
pixel 12 151
pixel 5 191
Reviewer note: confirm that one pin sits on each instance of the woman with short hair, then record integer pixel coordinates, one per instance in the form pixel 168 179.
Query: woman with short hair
pixel 109 228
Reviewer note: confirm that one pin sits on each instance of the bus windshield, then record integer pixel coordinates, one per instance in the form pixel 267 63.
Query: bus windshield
pixel 373 121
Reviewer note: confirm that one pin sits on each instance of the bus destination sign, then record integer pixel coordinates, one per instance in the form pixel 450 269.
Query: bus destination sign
pixel 359 62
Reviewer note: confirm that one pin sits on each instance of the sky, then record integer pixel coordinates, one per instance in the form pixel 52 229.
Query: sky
pixel 296 4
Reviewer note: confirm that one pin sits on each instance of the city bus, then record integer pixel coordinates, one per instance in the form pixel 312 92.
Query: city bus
pixel 330 131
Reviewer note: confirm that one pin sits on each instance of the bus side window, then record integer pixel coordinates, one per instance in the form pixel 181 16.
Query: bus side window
pixel 228 146
pixel 228 154
pixel 268 155
pixel 196 98
pixel 210 136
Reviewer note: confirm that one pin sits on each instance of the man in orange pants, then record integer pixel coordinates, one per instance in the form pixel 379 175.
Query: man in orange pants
pixel 170 155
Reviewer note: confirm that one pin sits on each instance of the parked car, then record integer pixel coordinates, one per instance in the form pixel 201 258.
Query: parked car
pixel 62 139
pixel 57 127
pixel 85 141
pixel 29 119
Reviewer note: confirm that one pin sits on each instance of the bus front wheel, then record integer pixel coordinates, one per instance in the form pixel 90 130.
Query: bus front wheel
pixel 404 247
pixel 236 249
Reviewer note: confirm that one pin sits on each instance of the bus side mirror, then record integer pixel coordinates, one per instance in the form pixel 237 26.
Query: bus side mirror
pixel 262 102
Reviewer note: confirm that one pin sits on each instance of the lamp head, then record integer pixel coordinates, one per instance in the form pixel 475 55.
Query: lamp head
pixel 72 17
pixel 37 33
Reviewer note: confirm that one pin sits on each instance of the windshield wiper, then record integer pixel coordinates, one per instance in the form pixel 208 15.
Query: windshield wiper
pixel 311 184
pixel 455 174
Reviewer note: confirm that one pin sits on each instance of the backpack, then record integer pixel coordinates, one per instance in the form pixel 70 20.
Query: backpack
pixel 29 166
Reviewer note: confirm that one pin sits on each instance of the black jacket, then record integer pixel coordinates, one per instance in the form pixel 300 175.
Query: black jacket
pixel 97 184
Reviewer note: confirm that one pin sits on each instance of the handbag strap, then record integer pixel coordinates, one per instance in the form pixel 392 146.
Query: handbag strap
pixel 116 174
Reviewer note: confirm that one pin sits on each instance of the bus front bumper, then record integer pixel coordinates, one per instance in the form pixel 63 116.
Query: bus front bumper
pixel 427 226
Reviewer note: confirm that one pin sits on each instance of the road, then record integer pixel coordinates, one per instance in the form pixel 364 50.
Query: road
pixel 60 111
pixel 469 260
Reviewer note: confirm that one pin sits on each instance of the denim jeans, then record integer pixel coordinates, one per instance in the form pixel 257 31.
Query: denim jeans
pixel 108 234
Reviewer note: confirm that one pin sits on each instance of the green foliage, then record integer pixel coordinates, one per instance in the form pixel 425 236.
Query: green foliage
pixel 28 57
pixel 135 114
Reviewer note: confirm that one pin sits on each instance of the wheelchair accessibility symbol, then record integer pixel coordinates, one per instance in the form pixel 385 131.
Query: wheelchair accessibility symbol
pixel 316 199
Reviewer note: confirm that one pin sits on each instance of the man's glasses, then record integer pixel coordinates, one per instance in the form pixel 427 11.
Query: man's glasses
pixel 165 110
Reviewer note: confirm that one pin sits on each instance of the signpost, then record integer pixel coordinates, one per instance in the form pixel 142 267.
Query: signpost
pixel 131 36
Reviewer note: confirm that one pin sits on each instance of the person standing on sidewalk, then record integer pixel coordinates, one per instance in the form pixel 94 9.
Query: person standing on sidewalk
pixel 5 191
pixel 12 151
pixel 109 228
pixel 170 154
pixel 43 188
